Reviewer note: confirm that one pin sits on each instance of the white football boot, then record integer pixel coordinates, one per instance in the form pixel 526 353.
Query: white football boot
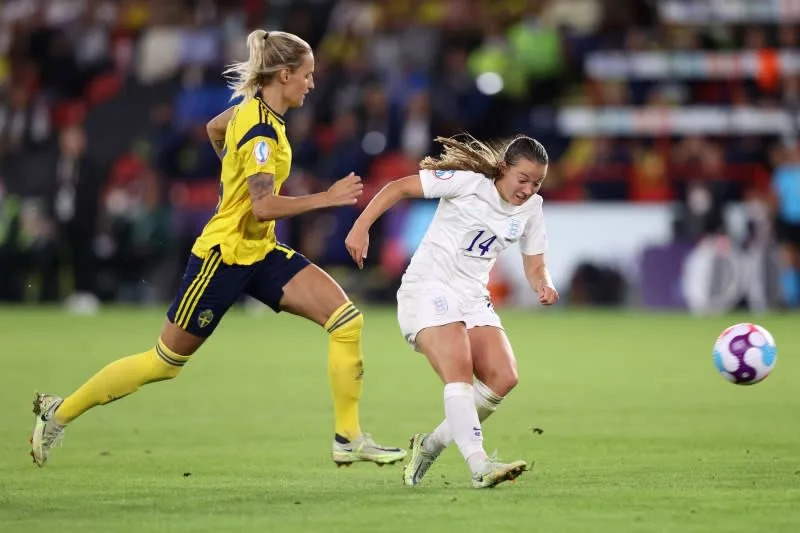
pixel 364 448
pixel 494 472
pixel 419 462
pixel 46 432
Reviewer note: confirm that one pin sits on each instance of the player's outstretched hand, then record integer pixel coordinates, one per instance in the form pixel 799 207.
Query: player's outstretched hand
pixel 345 191
pixel 548 295
pixel 357 244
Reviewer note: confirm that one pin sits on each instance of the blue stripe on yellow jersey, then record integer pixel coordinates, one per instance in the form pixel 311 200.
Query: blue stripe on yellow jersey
pixel 259 130
pixel 255 142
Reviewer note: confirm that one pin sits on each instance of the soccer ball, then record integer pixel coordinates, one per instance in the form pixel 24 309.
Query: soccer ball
pixel 745 353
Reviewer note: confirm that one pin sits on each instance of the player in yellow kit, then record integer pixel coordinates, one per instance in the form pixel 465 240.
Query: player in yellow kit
pixel 237 253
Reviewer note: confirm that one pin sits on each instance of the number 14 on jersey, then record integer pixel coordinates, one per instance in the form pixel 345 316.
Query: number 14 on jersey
pixel 478 243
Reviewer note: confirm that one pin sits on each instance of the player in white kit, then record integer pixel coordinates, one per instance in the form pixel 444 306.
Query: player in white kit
pixel 487 201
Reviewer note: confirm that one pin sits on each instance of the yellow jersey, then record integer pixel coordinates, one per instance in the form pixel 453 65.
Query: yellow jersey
pixel 255 142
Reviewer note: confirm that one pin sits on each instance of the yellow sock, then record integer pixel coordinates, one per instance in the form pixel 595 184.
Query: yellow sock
pixel 121 378
pixel 346 367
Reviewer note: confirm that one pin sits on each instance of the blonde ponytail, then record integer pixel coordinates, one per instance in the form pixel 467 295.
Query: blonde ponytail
pixel 269 53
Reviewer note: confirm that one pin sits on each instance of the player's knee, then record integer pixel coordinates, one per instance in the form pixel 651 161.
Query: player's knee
pixel 347 326
pixel 502 381
pixel 507 382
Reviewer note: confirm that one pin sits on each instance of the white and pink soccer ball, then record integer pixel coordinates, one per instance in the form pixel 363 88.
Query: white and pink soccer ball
pixel 745 353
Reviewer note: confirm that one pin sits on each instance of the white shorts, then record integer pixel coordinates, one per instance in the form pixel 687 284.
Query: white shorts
pixel 420 308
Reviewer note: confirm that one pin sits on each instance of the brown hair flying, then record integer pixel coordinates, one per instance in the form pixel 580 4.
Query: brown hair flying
pixel 465 152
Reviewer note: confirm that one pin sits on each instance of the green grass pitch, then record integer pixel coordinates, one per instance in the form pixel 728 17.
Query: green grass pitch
pixel 639 431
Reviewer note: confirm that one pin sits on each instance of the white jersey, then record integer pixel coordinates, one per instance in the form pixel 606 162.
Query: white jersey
pixel 472 225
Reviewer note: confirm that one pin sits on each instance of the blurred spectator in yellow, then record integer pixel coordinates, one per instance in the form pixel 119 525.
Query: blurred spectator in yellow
pixel 649 178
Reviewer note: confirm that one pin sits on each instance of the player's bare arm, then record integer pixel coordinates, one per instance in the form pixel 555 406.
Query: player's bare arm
pixel 357 241
pixel 269 206
pixel 216 130
pixel 539 278
pixel 260 186
pixel 219 146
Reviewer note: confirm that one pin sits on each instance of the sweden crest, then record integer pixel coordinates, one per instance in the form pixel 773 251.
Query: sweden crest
pixel 205 318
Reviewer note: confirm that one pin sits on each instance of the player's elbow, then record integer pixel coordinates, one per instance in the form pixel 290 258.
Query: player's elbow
pixel 263 216
pixel 263 211
pixel 404 193
pixel 212 130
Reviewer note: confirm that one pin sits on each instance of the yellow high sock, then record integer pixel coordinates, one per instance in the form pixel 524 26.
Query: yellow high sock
pixel 345 367
pixel 121 378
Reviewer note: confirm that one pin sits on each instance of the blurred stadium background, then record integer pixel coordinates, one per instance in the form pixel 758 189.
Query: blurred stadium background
pixel 672 127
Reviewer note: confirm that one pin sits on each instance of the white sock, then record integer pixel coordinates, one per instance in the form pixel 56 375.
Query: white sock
pixel 462 418
pixel 486 402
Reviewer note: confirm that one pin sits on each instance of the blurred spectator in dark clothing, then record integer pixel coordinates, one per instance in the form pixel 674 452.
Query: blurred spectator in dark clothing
pixel 698 214
pixel 27 246
pixel 161 138
pixel 93 40
pixel 353 79
pixel 24 122
pixel 60 74
pixel 415 137
pixel 193 158
pixel 11 268
pixel 606 175
pixel 458 105
pixel 304 147
pixel 381 125
pixel 75 183
pixel 346 154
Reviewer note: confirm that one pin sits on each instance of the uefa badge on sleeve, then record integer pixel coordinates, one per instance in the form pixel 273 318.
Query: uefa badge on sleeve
pixel 444 174
pixel 261 152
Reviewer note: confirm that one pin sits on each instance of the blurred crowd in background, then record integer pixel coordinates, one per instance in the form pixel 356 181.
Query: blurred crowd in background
pixel 107 176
